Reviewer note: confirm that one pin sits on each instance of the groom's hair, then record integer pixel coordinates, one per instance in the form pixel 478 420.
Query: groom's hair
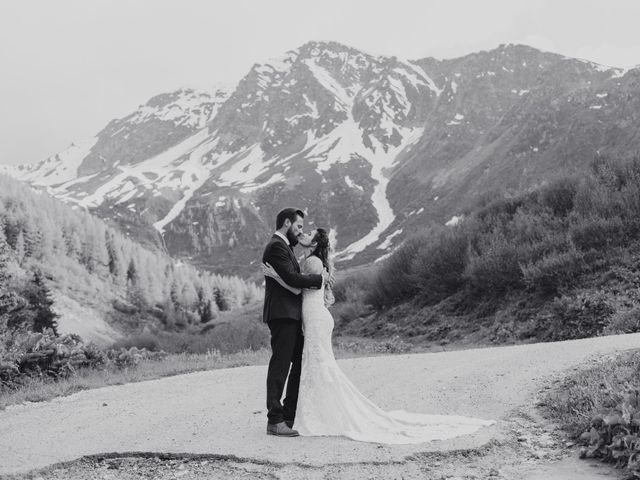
pixel 288 213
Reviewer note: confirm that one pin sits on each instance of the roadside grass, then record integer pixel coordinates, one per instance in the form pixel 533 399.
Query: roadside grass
pixel 43 388
pixel 599 407
pixel 587 392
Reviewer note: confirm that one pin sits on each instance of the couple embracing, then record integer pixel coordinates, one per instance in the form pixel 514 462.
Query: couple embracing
pixel 319 398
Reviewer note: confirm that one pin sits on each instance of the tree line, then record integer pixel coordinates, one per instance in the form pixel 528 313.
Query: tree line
pixel 46 244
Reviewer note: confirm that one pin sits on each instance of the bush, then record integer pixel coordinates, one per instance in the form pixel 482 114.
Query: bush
pixel 439 265
pixel 392 345
pixel 554 271
pixel 28 353
pixel 496 268
pixel 145 340
pixel 529 227
pixel 596 232
pixel 394 281
pixel 225 337
pixel 583 315
pixel 559 196
pixel 499 210
pixel 352 287
pixel 129 357
pixel 626 321
pixel 24 355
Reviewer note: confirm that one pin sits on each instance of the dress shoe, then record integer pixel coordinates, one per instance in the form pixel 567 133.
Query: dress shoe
pixel 289 423
pixel 281 430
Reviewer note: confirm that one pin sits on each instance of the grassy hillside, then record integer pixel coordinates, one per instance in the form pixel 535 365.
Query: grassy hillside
pixel 561 261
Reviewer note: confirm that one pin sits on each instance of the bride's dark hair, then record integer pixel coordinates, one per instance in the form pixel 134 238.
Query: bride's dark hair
pixel 321 239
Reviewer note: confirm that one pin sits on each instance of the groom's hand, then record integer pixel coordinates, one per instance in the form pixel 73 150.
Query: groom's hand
pixel 332 279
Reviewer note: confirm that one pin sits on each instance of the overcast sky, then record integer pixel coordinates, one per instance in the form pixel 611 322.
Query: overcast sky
pixel 68 67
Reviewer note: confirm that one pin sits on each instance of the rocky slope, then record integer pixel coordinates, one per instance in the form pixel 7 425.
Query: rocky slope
pixel 374 147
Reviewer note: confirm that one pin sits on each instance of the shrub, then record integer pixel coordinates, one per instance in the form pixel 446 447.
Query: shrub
pixel 496 268
pixel 351 294
pixel 533 227
pixel 626 321
pixel 352 287
pixel 555 270
pixel 129 357
pixel 394 281
pixel 145 340
pixel 345 312
pixel 500 210
pixel 596 232
pixel 225 337
pixel 395 344
pixel 580 316
pixel 559 195
pixel 28 353
pixel 439 265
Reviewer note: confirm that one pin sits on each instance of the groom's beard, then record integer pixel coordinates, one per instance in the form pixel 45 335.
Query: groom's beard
pixel 293 240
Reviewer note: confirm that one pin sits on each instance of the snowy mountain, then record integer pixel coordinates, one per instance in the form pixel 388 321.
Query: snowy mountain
pixel 374 147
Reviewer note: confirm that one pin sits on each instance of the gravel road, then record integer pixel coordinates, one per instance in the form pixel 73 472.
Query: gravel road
pixel 222 412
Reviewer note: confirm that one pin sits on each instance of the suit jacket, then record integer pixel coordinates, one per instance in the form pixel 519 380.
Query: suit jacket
pixel 280 303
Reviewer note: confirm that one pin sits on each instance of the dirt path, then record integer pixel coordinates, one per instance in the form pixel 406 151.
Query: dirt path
pixel 219 416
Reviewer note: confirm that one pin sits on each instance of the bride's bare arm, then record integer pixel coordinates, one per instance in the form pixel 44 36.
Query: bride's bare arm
pixel 268 271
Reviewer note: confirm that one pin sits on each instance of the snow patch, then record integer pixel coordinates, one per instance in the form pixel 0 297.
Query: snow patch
pixel 57 169
pixel 351 184
pixel 195 174
pixel 387 243
pixel 162 162
pixel 429 82
pixel 328 82
pixel 453 221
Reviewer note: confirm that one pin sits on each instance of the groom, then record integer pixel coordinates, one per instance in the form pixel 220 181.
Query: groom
pixel 283 314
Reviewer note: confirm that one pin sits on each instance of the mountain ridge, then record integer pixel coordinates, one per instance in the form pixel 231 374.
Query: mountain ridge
pixel 363 141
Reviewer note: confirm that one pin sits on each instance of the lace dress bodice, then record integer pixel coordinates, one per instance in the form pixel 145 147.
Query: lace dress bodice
pixel 313 299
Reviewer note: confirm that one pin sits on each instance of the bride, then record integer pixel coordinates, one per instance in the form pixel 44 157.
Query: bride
pixel 328 403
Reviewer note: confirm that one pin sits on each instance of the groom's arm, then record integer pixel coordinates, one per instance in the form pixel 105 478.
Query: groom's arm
pixel 281 263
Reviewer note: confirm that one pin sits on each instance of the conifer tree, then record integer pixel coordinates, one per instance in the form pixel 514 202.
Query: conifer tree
pixel 42 304
pixel 115 262
pixel 20 248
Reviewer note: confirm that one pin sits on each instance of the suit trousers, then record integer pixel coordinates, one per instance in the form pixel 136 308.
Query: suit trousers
pixel 287 343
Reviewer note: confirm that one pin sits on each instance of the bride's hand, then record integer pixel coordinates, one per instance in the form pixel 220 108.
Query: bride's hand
pixel 268 271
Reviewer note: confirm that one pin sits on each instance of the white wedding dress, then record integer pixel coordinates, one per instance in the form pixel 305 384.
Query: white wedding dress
pixel 329 404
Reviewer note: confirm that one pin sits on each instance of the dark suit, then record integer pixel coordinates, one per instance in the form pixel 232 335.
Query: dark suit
pixel 283 314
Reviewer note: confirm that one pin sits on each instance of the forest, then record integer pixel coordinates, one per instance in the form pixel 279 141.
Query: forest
pixel 49 250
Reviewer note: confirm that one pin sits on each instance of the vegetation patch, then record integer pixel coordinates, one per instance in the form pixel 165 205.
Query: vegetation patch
pixel 561 261
pixel 599 407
